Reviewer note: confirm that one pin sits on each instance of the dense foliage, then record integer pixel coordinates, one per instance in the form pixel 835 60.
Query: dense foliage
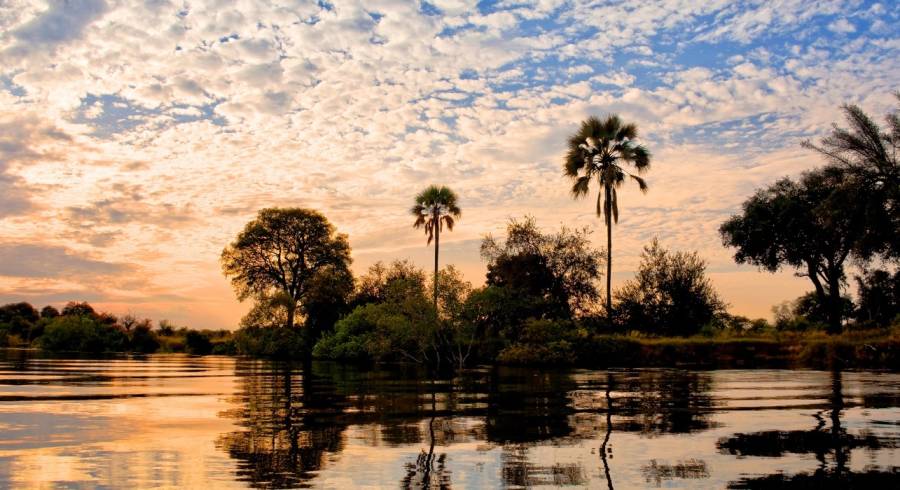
pixel 80 328
pixel 288 253
pixel 670 294
pixel 846 210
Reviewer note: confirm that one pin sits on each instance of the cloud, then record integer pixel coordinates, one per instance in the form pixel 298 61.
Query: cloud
pixel 25 139
pixel 151 132
pixel 28 260
pixel 64 21
pixel 842 26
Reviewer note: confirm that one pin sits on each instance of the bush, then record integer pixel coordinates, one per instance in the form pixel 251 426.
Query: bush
pixel 143 339
pixel 276 342
pixel 197 343
pixel 547 342
pixel 354 337
pixel 670 295
pixel 82 334
pixel 403 331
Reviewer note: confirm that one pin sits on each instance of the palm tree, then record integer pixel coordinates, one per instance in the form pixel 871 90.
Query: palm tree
pixel 600 150
pixel 434 208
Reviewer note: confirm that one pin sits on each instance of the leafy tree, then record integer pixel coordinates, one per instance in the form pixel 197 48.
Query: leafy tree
pixel 130 322
pixel 49 312
pixel 82 333
pixel 458 336
pixel 74 308
pixel 394 320
pixel 285 252
pixel 197 343
pixel 879 297
pixel 166 328
pixel 434 208
pixel 600 150
pixel 18 318
pixel 670 294
pixel 328 300
pixel 492 317
pixel 400 329
pixel 559 270
pixel 812 224
pixel 142 338
pixel 399 279
pixel 870 154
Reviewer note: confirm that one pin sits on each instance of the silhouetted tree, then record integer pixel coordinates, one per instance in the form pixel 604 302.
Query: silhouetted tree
pixel 197 343
pixel 870 154
pixel 434 208
pixel 559 270
pixel 49 312
pixel 18 318
pixel 670 294
pixel 812 224
pixel 74 308
pixel 879 296
pixel 285 252
pixel 599 150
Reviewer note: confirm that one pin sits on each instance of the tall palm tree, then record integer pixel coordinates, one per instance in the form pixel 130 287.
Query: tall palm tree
pixel 434 208
pixel 601 150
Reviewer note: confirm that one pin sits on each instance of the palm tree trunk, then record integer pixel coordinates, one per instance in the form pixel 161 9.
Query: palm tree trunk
pixel 608 254
pixel 437 245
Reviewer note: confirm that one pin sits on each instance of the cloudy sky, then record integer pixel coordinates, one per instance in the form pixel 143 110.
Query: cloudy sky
pixel 137 137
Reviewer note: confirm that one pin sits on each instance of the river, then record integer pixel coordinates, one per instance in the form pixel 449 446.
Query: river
pixel 217 422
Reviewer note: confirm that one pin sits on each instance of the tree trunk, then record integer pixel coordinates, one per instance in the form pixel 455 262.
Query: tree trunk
pixel 835 306
pixel 437 245
pixel 608 212
pixel 290 315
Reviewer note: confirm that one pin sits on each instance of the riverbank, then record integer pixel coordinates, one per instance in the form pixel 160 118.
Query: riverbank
pixel 868 349
pixel 862 350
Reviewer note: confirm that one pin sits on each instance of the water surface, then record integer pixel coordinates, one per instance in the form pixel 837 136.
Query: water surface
pixel 217 422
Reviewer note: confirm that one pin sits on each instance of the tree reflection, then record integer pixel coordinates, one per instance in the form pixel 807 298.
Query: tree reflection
pixel 527 406
pixel 834 442
pixel 290 421
pixel 429 470
pixel 665 402
pixel 284 439
pixel 656 472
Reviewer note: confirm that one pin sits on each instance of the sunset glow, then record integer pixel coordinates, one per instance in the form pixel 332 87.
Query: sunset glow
pixel 137 138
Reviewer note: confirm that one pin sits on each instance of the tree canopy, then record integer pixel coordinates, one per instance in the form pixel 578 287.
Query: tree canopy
pixel 870 155
pixel 670 294
pixel 812 224
pixel 286 252
pixel 561 269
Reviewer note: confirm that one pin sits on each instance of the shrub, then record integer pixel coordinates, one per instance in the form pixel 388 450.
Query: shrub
pixel 82 334
pixel 197 343
pixel 143 339
pixel 275 342
pixel 670 295
pixel 548 342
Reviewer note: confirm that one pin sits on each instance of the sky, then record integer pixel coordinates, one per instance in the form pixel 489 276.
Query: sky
pixel 138 137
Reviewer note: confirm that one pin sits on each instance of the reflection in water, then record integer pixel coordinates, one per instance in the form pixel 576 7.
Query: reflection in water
pixel 426 472
pixel 834 443
pixel 178 421
pixel 519 471
pixel 286 427
pixel 657 473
